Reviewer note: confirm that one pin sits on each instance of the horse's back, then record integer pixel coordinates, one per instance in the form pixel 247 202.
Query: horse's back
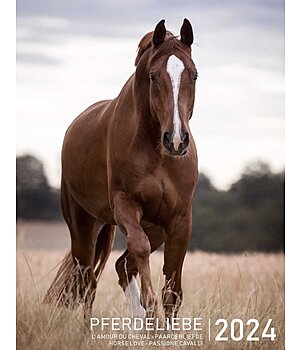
pixel 95 110
pixel 84 159
pixel 97 106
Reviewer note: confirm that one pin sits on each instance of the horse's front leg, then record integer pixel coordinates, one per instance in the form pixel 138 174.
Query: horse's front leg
pixel 127 215
pixel 176 244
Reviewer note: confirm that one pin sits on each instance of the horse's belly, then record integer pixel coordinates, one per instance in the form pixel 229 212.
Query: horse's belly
pixel 93 199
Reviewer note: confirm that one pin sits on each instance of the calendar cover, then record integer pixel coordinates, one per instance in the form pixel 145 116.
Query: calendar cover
pixel 150 174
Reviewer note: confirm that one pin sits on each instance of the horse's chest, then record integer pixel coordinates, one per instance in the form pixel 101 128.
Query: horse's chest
pixel 161 197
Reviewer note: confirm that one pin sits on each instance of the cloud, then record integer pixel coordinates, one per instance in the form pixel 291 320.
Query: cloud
pixel 244 31
pixel 36 58
pixel 124 18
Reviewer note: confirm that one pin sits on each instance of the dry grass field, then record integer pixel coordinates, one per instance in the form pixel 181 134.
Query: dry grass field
pixel 215 286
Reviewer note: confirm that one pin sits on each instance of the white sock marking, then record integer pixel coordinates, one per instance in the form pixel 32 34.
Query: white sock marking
pixel 132 293
pixel 175 68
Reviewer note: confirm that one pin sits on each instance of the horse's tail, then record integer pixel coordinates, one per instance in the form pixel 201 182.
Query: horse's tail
pixel 60 290
pixel 70 284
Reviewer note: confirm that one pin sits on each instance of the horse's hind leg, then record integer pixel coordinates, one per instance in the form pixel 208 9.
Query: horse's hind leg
pixel 75 281
pixel 127 269
pixel 103 248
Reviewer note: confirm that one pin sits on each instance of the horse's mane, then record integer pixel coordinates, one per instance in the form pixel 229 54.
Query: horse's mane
pixel 168 45
pixel 144 44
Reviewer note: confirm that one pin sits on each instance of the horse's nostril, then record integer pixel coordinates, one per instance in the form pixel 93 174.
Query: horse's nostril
pixel 185 140
pixel 167 140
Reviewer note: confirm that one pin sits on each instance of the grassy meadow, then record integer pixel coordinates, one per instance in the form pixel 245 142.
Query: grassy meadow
pixel 245 286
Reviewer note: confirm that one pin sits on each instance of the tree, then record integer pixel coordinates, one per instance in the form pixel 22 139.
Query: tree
pixel 249 216
pixel 35 198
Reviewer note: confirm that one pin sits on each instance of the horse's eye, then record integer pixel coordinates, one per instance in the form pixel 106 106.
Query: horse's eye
pixel 195 77
pixel 152 76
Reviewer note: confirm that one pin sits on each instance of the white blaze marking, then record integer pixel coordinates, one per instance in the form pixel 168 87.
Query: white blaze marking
pixel 132 293
pixel 175 68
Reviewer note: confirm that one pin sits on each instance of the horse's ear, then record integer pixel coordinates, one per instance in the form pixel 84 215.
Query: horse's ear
pixel 186 33
pixel 159 33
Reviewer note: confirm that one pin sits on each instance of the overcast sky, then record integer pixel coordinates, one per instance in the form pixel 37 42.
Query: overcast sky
pixel 73 53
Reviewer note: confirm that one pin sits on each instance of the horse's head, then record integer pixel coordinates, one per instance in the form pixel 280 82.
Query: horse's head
pixel 165 61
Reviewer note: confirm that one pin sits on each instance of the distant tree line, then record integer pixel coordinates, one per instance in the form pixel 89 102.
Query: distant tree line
pixel 249 216
pixel 36 199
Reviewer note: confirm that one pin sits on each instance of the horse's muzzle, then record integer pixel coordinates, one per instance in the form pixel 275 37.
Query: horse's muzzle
pixel 169 145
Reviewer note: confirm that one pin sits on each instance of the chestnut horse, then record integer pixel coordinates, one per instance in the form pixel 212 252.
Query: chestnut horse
pixel 132 162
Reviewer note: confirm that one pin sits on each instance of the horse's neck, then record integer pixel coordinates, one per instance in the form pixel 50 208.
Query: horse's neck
pixel 135 95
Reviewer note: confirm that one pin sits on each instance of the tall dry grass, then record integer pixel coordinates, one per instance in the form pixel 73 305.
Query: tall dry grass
pixel 215 286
